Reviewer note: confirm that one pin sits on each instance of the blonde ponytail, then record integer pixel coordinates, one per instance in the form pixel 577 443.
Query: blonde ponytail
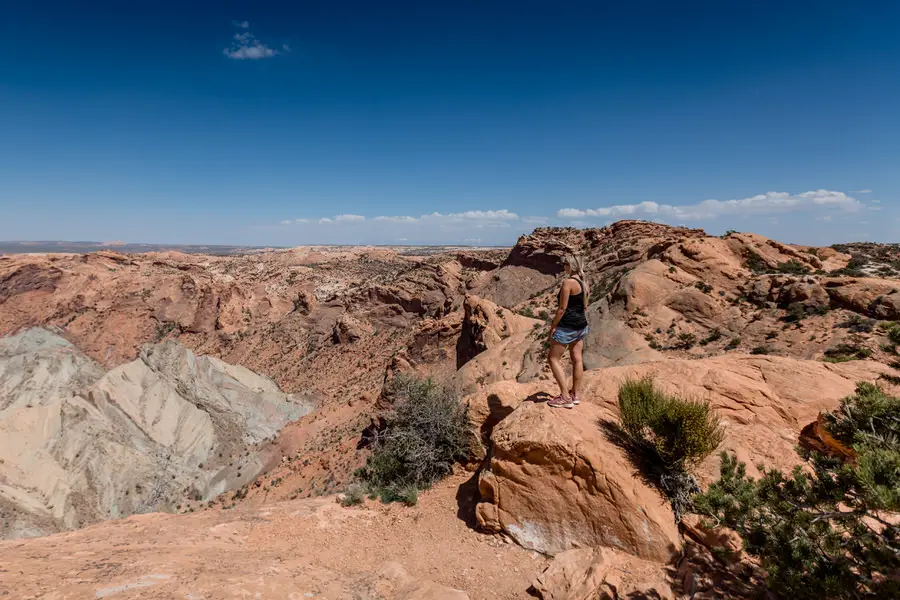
pixel 577 265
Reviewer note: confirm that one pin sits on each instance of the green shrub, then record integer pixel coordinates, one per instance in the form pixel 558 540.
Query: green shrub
pixel 860 324
pixel 760 350
pixel 714 335
pixel 734 343
pixel 793 267
pixel 756 264
pixel 422 437
pixel 846 352
pixel 686 340
pixel 797 311
pixel 821 532
pixel 670 435
pixel 679 432
pixel 892 331
pixel 892 379
pixel 703 287
pixel 853 268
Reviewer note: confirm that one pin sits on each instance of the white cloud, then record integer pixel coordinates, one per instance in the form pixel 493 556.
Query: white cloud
pixel 865 191
pixel 479 215
pixel 241 24
pixel 398 219
pixel 469 216
pixel 762 204
pixel 472 218
pixel 285 47
pixel 246 47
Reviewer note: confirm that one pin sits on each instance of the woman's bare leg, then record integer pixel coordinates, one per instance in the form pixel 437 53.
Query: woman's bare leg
pixel 554 357
pixel 577 367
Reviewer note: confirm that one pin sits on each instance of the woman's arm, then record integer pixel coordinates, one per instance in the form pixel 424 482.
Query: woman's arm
pixel 563 303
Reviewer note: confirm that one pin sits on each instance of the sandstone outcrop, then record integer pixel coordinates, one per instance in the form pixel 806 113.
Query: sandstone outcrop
pixel 484 326
pixel 764 401
pixel 556 482
pixel 554 479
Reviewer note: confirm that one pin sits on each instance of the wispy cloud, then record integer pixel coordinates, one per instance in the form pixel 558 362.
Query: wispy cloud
pixel 397 219
pixel 471 218
pixel 865 191
pixel 762 204
pixel 245 46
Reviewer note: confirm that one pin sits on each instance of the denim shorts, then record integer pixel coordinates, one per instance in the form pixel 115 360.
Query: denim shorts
pixel 569 336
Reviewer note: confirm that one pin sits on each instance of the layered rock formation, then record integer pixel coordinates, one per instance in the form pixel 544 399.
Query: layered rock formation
pixel 78 445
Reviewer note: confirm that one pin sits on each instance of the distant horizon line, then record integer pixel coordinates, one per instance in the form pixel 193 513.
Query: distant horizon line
pixel 114 245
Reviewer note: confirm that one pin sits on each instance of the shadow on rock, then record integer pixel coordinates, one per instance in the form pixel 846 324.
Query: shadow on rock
pixel 467 498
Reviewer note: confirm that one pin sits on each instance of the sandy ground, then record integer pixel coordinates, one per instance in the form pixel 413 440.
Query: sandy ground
pixel 311 548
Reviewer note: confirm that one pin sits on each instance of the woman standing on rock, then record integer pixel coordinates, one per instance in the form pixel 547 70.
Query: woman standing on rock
pixel 568 330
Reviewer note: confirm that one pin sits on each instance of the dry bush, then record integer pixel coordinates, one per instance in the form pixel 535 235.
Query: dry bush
pixel 423 436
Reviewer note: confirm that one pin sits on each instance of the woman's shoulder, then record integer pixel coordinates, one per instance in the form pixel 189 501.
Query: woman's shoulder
pixel 570 284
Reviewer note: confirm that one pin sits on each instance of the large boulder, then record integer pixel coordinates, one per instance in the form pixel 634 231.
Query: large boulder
pixel 555 482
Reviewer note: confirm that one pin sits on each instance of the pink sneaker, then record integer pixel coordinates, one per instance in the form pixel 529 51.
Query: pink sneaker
pixel 560 402
pixel 574 398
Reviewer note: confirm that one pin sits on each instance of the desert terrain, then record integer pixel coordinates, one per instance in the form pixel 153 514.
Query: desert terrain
pixel 178 425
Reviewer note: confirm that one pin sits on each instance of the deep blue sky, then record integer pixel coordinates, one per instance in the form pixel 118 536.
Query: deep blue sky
pixel 152 122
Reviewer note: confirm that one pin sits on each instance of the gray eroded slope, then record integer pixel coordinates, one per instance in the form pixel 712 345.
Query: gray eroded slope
pixel 78 445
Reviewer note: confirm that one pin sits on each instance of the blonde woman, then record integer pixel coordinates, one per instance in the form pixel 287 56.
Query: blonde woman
pixel 568 330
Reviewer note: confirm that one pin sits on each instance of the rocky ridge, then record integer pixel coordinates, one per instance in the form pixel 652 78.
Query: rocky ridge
pixel 747 323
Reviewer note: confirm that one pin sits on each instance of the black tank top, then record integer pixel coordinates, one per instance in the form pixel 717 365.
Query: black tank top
pixel 574 317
